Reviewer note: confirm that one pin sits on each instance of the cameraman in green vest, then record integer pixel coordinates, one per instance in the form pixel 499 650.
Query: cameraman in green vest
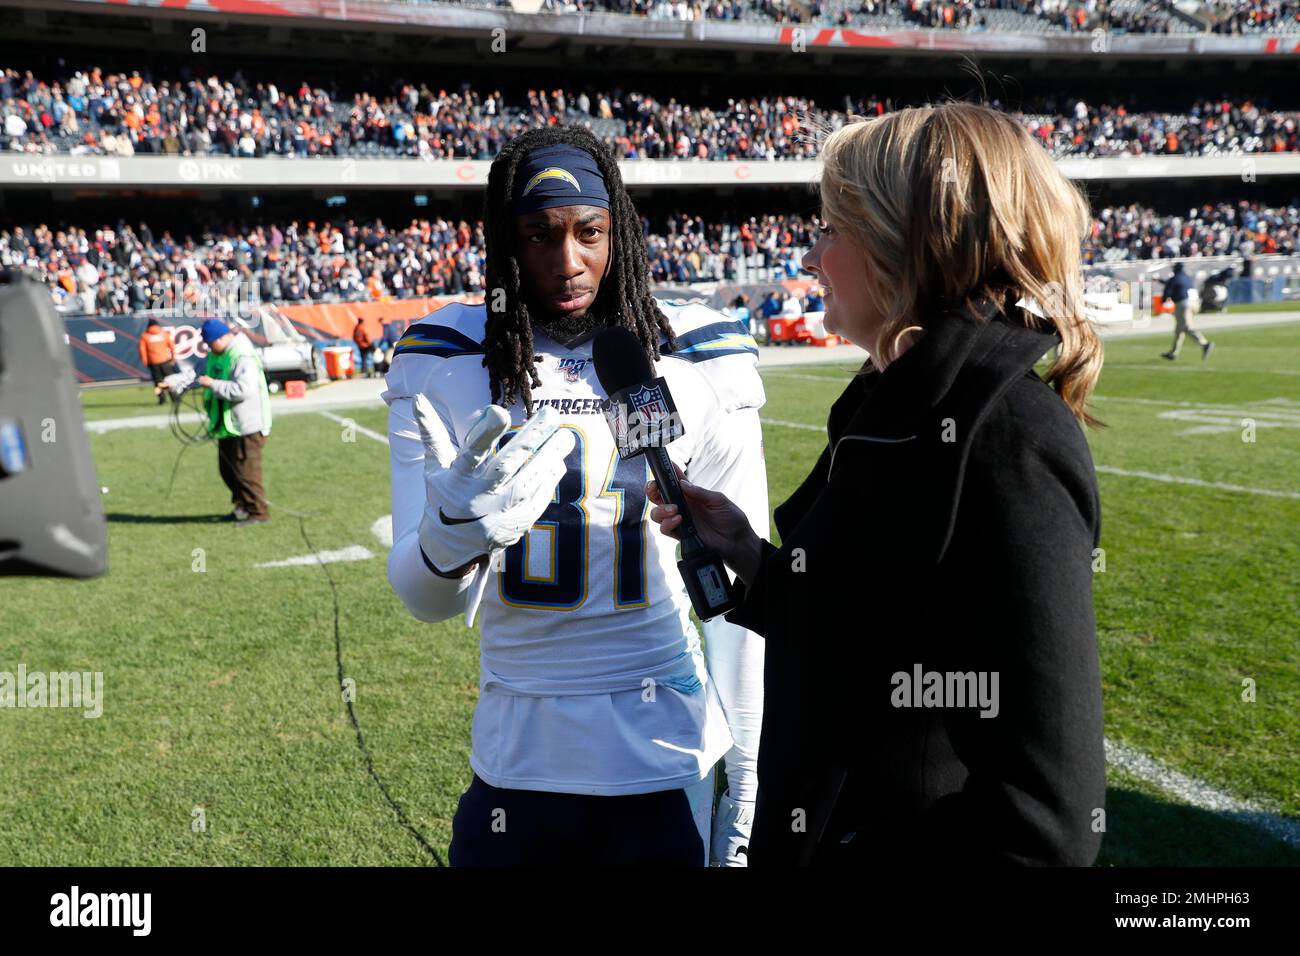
pixel 239 417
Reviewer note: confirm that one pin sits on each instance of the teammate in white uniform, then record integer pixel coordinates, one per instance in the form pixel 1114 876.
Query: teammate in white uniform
pixel 593 683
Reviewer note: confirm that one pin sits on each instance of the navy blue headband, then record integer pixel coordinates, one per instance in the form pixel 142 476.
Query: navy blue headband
pixel 560 175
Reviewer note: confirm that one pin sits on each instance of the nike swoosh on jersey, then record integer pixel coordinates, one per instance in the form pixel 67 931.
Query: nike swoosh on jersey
pixel 446 520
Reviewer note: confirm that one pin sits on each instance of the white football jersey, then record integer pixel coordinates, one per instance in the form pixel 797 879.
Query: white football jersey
pixel 591 673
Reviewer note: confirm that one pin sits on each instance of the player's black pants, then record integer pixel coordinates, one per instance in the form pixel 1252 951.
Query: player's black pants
pixel 496 827
pixel 159 372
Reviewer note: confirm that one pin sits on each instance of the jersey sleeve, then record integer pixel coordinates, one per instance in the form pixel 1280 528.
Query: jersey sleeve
pixel 428 596
pixel 721 348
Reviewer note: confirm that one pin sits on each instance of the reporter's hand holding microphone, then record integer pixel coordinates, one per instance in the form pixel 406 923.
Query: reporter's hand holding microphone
pixel 720 523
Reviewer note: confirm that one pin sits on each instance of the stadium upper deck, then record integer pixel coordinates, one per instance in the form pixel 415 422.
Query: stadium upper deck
pixel 449 45
pixel 1001 28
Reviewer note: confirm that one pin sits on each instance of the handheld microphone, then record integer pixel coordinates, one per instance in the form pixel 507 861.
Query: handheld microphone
pixel 643 419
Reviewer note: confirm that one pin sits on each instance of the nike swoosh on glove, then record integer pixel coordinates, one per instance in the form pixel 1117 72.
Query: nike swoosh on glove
pixel 731 825
pixel 490 498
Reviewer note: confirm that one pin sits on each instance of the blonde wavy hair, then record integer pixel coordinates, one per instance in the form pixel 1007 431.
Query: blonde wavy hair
pixel 954 202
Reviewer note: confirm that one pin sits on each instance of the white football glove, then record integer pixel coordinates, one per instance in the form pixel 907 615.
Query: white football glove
pixel 731 825
pixel 478 502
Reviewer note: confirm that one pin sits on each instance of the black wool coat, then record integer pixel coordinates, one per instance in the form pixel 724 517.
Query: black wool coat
pixel 948 527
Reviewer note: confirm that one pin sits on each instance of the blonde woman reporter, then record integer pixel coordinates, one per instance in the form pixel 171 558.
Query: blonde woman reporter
pixel 932 684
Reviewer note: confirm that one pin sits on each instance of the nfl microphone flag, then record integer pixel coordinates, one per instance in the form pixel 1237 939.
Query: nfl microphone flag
pixel 642 416
pixel 643 420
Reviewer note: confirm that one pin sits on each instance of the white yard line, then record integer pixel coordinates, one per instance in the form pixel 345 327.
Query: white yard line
pixel 361 429
pixel 1286 405
pixel 1205 368
pixel 283 406
pixel 843 379
pixel 1197 482
pixel 382 529
pixel 1110 470
pixel 799 425
pixel 353 552
pixel 1198 793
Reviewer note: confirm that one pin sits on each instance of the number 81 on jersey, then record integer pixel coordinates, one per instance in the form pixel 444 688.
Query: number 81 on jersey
pixel 548 568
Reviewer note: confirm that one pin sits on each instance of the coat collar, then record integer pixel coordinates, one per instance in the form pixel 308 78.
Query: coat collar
pixel 966 354
pixel 904 434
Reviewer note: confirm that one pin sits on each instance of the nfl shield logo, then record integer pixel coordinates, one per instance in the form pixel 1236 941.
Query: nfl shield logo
pixel 649 402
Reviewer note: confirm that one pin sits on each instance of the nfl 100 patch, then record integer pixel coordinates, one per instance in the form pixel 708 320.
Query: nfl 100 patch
pixel 572 368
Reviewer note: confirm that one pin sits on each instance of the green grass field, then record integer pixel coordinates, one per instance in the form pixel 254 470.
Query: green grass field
pixel 222 685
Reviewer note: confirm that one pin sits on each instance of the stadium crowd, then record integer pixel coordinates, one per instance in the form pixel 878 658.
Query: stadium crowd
pixel 1249 16
pixel 1242 228
pixel 124 268
pixel 117 114
pixel 1133 16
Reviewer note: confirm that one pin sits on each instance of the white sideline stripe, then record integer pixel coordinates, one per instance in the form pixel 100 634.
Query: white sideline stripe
pixel 1110 470
pixel 1198 793
pixel 382 528
pixel 353 552
pixel 1198 483
pixel 288 407
pixel 1286 405
pixel 361 429
pixel 842 379
pixel 802 426
pixel 1275 405
pixel 1204 368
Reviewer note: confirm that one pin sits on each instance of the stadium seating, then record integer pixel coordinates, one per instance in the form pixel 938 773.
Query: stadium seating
pixel 86 272
pixel 86 112
pixel 1003 16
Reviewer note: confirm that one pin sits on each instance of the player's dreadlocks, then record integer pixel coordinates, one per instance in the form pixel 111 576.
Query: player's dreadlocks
pixel 624 297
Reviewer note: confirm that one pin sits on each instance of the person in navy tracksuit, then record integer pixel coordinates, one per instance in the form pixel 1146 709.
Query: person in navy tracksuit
pixel 1177 290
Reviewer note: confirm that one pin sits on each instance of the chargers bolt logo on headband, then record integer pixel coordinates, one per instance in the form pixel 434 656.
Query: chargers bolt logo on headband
pixel 553 172
pixel 558 175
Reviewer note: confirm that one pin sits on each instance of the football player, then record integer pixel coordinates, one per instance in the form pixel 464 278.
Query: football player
pixel 600 718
